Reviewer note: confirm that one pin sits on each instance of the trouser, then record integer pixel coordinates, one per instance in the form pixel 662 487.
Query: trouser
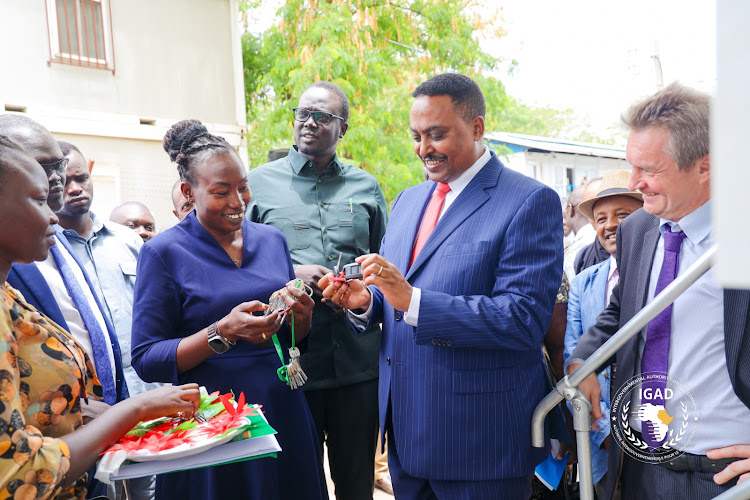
pixel 414 488
pixel 346 420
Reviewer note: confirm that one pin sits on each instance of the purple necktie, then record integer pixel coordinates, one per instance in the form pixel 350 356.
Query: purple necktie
pixel 655 358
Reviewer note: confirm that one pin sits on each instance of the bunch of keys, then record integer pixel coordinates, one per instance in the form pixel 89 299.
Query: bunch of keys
pixel 296 377
pixel 351 271
pixel 276 302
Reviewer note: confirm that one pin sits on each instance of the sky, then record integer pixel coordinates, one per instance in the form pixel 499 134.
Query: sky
pixel 595 56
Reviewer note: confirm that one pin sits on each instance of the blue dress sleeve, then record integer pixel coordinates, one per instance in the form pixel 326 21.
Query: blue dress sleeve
pixel 156 313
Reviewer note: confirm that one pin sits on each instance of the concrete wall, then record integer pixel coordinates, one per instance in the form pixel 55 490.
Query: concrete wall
pixel 126 170
pixel 173 59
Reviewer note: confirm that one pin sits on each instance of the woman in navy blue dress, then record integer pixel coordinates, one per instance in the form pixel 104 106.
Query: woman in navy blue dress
pixel 207 279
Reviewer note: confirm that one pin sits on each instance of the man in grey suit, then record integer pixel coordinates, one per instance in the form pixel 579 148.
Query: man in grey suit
pixel 697 341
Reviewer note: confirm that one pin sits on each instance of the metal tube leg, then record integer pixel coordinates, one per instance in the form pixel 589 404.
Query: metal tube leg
pixel 582 425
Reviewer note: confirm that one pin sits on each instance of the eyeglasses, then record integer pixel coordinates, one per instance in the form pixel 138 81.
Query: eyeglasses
pixel 320 117
pixel 58 166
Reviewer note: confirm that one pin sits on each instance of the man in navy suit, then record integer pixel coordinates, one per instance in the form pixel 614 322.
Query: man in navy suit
pixel 464 285
pixel 702 341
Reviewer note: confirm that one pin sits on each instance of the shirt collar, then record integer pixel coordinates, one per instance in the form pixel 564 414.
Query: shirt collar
pixel 299 161
pixel 98 226
pixel 612 267
pixel 463 180
pixel 696 225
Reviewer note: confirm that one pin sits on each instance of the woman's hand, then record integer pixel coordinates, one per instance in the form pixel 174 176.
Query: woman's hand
pixel 88 441
pixel 242 324
pixel 168 400
pixel 302 308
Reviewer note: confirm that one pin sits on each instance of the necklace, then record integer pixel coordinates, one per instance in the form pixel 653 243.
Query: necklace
pixel 238 259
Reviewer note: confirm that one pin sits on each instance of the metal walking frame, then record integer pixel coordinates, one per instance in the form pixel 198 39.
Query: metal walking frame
pixel 567 388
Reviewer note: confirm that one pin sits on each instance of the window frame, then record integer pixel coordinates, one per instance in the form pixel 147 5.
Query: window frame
pixel 56 54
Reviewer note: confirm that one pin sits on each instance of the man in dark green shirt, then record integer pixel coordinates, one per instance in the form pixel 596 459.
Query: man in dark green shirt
pixel 327 208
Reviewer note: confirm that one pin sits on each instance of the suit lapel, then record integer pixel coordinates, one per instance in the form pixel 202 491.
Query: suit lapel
pixel 650 241
pixel 39 293
pixel 470 199
pixel 736 304
pixel 600 283
pixel 410 205
pixel 628 355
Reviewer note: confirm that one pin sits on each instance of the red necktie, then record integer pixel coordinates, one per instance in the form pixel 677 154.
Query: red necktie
pixel 430 218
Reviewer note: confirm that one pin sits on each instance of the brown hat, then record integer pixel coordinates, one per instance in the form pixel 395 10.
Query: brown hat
pixel 614 183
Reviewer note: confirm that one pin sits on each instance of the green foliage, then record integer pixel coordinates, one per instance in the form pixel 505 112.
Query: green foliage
pixel 377 51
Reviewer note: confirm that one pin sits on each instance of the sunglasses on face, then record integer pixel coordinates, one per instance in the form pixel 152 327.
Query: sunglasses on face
pixel 57 166
pixel 320 117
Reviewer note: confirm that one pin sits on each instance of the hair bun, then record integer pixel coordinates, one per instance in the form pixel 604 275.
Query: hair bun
pixel 180 135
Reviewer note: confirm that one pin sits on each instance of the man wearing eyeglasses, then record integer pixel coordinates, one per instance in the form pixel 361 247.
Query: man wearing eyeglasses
pixel 329 211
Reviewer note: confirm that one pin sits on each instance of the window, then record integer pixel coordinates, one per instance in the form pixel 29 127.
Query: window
pixel 80 33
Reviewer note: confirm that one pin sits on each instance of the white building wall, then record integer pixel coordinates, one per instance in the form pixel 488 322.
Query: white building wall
pixel 174 59
pixel 551 168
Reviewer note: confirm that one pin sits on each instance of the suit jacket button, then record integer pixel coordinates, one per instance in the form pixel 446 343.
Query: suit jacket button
pixel 435 342
pixel 388 360
pixel 398 315
pixel 448 343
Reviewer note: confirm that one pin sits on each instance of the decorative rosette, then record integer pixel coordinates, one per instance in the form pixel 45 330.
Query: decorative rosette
pixel 219 419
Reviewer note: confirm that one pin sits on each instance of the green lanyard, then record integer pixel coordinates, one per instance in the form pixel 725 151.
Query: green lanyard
pixel 282 371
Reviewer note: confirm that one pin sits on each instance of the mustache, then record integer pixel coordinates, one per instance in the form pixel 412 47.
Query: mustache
pixel 434 157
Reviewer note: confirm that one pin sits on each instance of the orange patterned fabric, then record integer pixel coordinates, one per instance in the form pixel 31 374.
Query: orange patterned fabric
pixel 43 374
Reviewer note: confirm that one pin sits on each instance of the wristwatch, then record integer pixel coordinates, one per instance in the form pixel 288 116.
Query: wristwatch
pixel 216 341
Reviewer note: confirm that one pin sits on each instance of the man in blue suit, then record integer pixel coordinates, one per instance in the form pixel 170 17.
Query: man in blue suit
pixel 464 285
pixel 591 290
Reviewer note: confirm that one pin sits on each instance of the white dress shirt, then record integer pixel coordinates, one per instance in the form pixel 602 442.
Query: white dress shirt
pixel 584 237
pixel 54 279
